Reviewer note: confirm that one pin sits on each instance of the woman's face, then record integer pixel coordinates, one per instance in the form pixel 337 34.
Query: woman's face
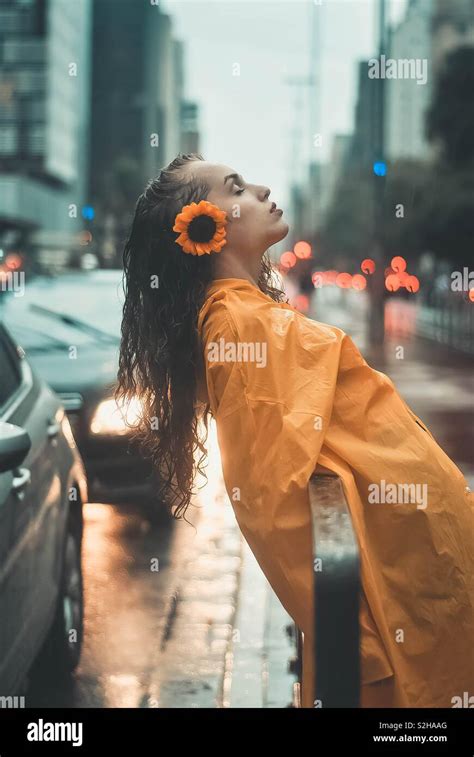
pixel 253 221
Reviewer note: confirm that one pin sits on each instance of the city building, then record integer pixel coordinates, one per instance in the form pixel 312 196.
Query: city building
pixel 407 97
pixel 428 32
pixel 140 118
pixel 44 122
pixel 137 90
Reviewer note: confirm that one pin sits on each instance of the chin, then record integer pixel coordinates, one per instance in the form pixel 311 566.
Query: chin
pixel 280 231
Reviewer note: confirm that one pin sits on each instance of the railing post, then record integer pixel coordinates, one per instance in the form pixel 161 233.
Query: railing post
pixel 336 595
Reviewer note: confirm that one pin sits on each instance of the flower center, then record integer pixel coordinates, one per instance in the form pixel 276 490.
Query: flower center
pixel 201 228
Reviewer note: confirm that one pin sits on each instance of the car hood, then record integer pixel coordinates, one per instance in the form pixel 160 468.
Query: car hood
pixel 94 368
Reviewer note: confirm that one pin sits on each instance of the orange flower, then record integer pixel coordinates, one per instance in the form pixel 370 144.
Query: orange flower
pixel 201 227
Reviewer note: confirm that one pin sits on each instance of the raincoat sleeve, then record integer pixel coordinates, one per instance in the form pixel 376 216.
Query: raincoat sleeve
pixel 271 399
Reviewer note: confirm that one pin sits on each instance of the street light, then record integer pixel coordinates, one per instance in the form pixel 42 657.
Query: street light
pixel 376 286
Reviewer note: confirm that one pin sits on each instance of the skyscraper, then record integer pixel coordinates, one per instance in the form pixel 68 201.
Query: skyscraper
pixel 44 117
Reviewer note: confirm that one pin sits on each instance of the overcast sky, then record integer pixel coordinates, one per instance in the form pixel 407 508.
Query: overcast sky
pixel 252 121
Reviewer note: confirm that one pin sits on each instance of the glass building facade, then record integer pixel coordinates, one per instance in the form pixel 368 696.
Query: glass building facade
pixel 44 113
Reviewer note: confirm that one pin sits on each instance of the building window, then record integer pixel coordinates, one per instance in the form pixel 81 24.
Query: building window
pixel 8 140
pixel 36 140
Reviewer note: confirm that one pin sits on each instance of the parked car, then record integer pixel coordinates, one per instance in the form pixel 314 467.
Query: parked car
pixel 42 490
pixel 69 327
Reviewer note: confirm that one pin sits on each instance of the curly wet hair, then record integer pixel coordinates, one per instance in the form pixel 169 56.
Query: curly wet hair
pixel 160 351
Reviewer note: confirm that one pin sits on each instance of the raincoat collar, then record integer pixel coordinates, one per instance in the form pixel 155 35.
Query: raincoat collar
pixel 232 283
pixel 237 284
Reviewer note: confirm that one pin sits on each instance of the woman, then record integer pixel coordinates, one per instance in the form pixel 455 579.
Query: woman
pixel 206 329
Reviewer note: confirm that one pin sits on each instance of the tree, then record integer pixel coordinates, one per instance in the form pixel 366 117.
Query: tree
pixel 348 225
pixel 446 218
pixel 450 117
pixel 407 184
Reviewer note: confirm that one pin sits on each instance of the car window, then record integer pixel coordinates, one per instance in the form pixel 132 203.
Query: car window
pixel 96 303
pixel 10 377
pixel 39 333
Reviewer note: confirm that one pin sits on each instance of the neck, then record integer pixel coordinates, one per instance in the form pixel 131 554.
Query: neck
pixel 235 267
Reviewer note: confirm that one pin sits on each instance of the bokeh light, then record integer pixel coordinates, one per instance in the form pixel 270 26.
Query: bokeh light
pixel 344 280
pixel 88 212
pixel 398 264
pixel 288 259
pixel 367 266
pixel 85 238
pixel 412 284
pixel 380 168
pixel 358 282
pixel 302 250
pixel 330 276
pixel 318 279
pixel 301 302
pixel 392 282
pixel 13 261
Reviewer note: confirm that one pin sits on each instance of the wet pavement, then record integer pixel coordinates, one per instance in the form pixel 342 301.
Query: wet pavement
pixel 175 617
pixel 158 610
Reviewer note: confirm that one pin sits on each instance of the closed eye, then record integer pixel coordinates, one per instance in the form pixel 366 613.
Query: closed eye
pixel 239 192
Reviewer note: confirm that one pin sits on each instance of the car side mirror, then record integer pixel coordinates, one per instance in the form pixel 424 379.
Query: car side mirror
pixel 15 444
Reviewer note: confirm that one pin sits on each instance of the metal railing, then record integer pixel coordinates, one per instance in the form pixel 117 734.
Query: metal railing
pixel 336 599
pixel 447 320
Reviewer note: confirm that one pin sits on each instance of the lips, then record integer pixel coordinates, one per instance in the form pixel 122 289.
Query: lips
pixel 274 208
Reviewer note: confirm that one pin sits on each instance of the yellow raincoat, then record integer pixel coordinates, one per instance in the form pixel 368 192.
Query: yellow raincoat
pixel 288 393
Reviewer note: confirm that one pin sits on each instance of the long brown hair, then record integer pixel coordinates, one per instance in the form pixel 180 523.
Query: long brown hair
pixel 160 351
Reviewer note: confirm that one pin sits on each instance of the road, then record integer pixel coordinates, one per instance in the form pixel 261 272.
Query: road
pixel 159 607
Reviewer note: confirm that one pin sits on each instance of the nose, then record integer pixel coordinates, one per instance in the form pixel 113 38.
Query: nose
pixel 264 193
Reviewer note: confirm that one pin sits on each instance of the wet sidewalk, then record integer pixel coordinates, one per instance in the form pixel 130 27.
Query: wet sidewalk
pixel 226 643
pixel 258 674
